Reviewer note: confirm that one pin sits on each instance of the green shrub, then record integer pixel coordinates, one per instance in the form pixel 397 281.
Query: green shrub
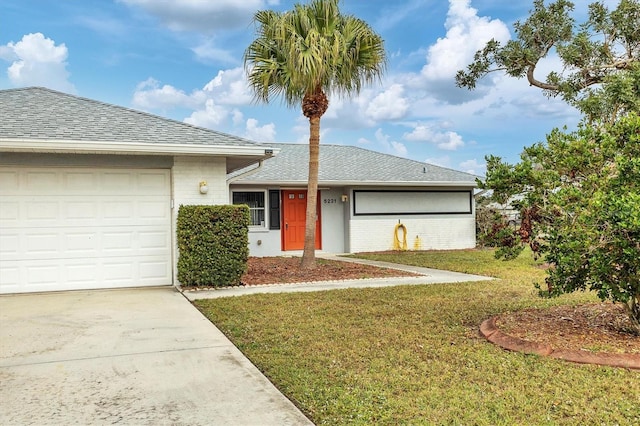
pixel 213 244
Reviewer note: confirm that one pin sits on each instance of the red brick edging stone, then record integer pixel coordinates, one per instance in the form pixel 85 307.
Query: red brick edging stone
pixel 491 332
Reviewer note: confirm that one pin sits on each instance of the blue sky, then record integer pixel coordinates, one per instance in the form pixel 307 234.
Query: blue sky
pixel 182 59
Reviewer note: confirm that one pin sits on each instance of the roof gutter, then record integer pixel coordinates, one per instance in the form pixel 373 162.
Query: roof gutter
pixel 101 147
pixel 247 173
pixel 327 183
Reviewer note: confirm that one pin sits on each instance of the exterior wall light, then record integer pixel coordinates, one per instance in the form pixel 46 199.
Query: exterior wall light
pixel 204 188
pixel 344 198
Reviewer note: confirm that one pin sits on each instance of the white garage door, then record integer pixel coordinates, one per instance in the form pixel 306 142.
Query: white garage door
pixel 82 228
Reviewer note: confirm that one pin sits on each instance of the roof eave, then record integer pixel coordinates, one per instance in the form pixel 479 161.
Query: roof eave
pixel 466 184
pixel 102 147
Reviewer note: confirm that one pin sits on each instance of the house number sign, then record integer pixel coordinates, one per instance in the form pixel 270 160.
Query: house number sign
pixel 330 200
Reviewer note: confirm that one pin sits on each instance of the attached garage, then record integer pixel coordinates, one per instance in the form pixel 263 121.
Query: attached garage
pixel 89 192
pixel 74 228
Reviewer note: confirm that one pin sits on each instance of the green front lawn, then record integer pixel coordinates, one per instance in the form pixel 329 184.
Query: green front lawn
pixel 412 354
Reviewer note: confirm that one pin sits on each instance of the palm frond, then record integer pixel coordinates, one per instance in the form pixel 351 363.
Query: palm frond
pixel 312 47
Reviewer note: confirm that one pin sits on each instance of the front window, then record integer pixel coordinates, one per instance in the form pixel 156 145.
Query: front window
pixel 255 201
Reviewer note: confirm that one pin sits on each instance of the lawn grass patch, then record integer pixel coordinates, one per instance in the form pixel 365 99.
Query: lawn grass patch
pixel 412 354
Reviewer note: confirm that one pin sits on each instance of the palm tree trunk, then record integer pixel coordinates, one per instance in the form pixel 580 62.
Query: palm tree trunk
pixel 309 254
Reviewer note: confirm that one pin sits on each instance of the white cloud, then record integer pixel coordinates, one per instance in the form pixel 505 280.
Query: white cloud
pixel 444 161
pixel 230 87
pixel 390 146
pixel 212 105
pixel 473 167
pixel 207 51
pixel 37 61
pixel 222 18
pixel 202 15
pixel 388 105
pixel 466 34
pixel 266 133
pixel 237 117
pixel 149 95
pixel 446 140
pixel 211 116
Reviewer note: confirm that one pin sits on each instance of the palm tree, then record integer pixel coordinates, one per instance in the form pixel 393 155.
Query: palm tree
pixel 303 55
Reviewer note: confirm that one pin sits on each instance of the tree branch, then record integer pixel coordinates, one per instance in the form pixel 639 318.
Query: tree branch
pixel 537 83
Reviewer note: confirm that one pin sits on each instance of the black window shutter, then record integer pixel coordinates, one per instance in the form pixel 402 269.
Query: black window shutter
pixel 274 209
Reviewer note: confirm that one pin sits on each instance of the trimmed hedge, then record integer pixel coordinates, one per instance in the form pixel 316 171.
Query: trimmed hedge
pixel 213 244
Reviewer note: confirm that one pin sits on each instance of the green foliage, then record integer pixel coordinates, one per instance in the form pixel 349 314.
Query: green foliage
pixel 312 48
pixel 580 209
pixel 213 244
pixel 600 72
pixel 581 202
pixel 492 220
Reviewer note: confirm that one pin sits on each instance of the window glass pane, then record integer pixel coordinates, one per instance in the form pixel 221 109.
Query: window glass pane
pixel 252 199
pixel 255 201
pixel 257 217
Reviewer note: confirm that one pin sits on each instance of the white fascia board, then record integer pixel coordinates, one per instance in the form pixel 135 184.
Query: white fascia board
pixel 64 146
pixel 467 184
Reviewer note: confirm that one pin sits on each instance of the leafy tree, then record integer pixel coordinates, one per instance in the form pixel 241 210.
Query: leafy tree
pixel 580 207
pixel 600 58
pixel 304 55
pixel 579 193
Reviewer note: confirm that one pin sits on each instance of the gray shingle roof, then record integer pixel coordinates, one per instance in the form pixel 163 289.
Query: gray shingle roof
pixel 340 164
pixel 60 116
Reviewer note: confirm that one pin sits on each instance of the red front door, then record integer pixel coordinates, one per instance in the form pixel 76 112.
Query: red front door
pixel 294 205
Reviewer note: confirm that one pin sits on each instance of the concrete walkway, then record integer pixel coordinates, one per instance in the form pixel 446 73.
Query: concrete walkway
pixel 427 276
pixel 140 356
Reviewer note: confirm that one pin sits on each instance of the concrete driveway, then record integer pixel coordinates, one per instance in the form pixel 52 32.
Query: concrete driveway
pixel 134 356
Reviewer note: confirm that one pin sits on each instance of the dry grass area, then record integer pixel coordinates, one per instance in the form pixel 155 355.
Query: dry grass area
pixel 597 327
pixel 413 354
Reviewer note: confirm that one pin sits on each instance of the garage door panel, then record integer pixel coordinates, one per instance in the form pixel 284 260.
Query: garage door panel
pixel 154 240
pixel 66 229
pixel 46 211
pixel 43 244
pixel 8 179
pixel 10 279
pixel 122 271
pixel 82 243
pixel 83 182
pixel 9 244
pixel 154 181
pixel 42 182
pixel 9 211
pixel 80 210
pixel 69 182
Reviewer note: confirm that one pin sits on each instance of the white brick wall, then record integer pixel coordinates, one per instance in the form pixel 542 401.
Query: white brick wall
pixel 186 174
pixel 432 233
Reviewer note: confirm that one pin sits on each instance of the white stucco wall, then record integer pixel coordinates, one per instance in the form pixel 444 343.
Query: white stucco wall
pixel 342 231
pixel 186 174
pixel 265 242
pixel 332 220
pixel 423 233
